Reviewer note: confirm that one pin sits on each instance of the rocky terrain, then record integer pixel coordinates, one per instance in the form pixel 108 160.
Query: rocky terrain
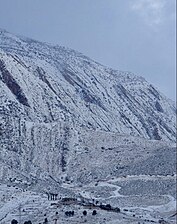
pixel 73 127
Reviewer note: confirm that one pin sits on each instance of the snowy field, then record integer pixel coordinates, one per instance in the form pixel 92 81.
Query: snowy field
pixel 132 174
pixel 154 202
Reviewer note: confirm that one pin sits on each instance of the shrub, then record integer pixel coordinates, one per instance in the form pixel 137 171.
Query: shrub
pixel 84 212
pixel 94 212
pixel 14 221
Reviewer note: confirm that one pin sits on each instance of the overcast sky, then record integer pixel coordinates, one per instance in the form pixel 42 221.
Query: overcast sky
pixel 130 35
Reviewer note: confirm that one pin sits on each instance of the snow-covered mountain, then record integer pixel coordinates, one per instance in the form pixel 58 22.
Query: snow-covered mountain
pixel 67 121
pixel 50 84
pixel 49 95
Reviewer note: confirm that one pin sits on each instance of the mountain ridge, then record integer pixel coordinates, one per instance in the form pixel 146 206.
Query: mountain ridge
pixel 101 92
pixel 72 127
pixel 50 96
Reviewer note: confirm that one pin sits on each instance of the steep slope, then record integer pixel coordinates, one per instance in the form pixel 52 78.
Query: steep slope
pixel 71 126
pixel 44 83
pixel 50 95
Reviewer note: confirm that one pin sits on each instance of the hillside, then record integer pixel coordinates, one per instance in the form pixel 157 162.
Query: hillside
pixel 73 126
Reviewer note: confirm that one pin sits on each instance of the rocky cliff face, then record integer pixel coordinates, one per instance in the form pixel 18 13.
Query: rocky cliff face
pixel 50 94
pixel 46 83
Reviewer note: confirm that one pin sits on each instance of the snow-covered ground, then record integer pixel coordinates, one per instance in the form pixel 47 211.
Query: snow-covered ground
pixel 29 205
pixel 73 127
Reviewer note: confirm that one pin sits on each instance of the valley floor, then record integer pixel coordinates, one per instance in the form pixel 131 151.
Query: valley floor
pixel 141 199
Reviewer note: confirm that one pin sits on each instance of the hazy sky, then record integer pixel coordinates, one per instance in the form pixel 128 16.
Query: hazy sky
pixel 130 35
